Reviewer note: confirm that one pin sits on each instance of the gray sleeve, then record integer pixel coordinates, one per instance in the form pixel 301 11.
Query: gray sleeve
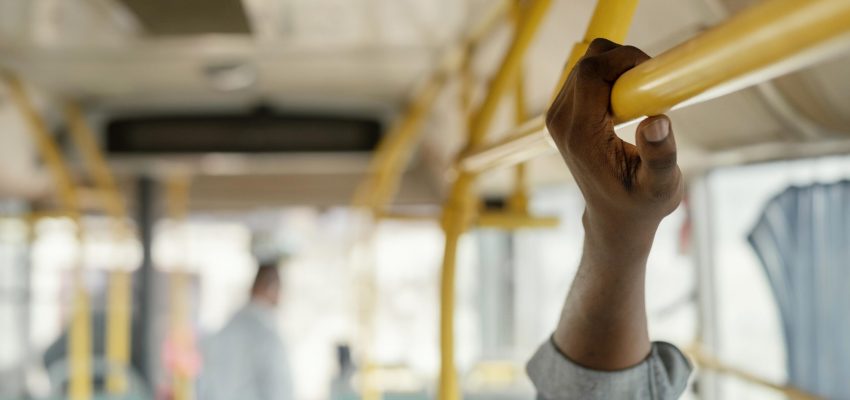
pixel 662 376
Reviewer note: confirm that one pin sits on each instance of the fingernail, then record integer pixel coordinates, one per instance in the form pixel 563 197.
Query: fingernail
pixel 657 130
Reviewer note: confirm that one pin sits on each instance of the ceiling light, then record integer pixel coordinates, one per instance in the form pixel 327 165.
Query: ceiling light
pixel 231 76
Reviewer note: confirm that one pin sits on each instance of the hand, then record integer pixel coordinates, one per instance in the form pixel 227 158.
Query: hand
pixel 625 186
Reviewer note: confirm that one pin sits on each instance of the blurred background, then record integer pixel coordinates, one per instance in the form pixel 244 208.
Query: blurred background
pixel 154 152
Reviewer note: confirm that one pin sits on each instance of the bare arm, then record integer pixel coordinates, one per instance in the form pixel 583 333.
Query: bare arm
pixel 628 191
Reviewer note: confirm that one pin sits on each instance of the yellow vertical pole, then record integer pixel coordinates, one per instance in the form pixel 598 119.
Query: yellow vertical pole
pixel 518 202
pixel 386 170
pixel 501 83
pixel 363 261
pixel 118 333
pixel 611 20
pixel 398 145
pixel 178 200
pixel 457 215
pixel 79 336
pixel 182 381
pixel 459 209
pixel 119 306
pixel 80 341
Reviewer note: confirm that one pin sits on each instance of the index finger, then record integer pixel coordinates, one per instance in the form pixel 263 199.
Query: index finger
pixel 595 77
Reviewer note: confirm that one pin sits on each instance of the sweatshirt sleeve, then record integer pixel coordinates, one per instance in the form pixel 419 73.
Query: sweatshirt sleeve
pixel 662 376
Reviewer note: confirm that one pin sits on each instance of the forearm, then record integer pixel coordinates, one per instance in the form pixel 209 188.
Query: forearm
pixel 628 189
pixel 603 325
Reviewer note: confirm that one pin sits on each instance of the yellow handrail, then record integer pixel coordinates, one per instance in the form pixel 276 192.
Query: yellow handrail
pixel 501 82
pixel 397 147
pixel 459 209
pixel 391 157
pixel 119 306
pixel 708 361
pixel 761 43
pixel 610 20
pixel 79 336
pixel 177 203
pixel 517 215
pixel 735 53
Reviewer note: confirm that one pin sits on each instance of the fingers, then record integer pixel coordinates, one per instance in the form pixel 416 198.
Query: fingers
pixel 659 172
pixel 581 116
pixel 599 46
pixel 609 64
pixel 594 77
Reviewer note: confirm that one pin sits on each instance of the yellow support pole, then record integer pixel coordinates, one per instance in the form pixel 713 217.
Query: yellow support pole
pixel 516 215
pixel 390 159
pixel 457 216
pixel 119 306
pixel 518 202
pixel 397 147
pixel 118 332
pixel 362 262
pixel 765 41
pixel 526 29
pixel 459 210
pixel 611 20
pixel 79 336
pixel 178 202
pixel 84 140
pixel 182 381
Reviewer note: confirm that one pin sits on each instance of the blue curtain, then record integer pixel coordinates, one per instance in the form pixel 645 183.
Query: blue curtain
pixel 803 241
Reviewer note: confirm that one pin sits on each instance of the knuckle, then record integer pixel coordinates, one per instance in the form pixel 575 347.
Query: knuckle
pixel 588 66
pixel 552 115
pixel 601 43
pixel 632 49
pixel 635 53
pixel 554 124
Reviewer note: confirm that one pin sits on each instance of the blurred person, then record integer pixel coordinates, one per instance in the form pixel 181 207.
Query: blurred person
pixel 601 348
pixel 247 359
pixel 341 388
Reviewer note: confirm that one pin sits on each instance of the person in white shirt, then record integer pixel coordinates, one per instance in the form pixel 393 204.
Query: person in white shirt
pixel 247 359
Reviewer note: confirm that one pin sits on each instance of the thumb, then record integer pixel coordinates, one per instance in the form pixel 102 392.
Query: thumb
pixel 656 145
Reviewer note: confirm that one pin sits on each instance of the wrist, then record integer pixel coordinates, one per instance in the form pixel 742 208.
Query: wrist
pixel 618 236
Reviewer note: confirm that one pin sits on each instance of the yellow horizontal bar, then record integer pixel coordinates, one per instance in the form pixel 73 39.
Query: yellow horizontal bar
pixel 709 362
pixel 395 216
pixel 510 221
pixel 770 39
pixel 525 142
pixel 500 220
pixel 749 42
pixel 36 215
